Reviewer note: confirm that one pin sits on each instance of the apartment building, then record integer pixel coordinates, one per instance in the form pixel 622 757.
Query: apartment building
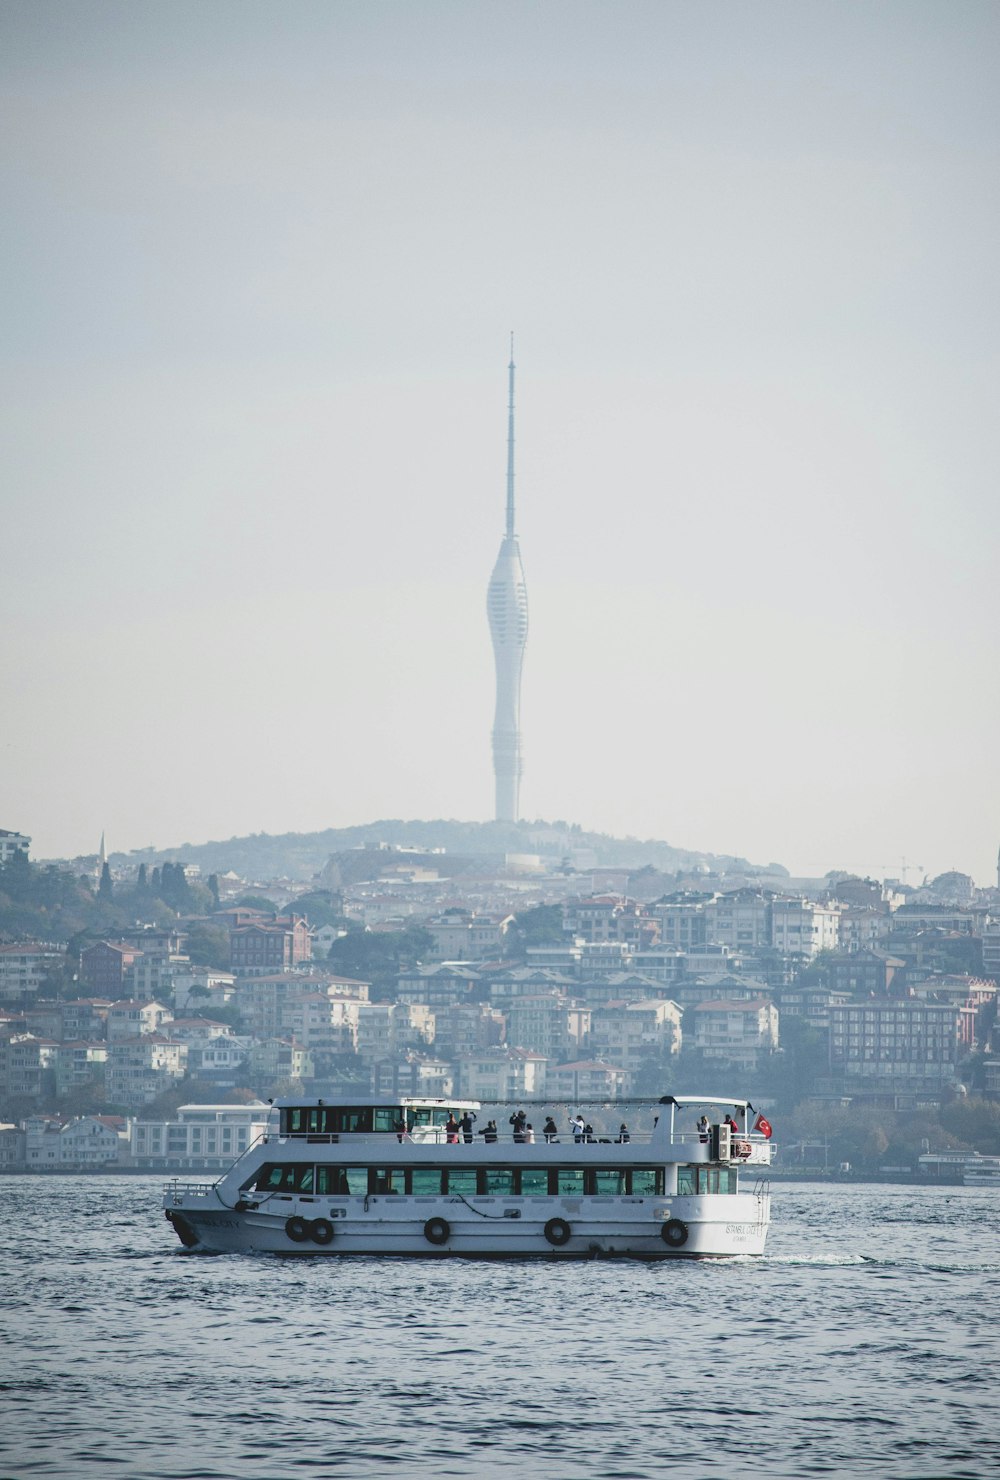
pixel 25 968
pixel 900 1044
pixel 742 1033
pixel 139 1069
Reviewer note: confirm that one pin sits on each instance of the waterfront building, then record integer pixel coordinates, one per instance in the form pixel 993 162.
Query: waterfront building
pixel 94 1140
pixel 202 1136
pixel 507 608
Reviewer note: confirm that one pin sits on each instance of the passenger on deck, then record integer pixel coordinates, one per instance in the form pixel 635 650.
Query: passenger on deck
pixel 734 1129
pixel 550 1131
pixel 529 1135
pixel 451 1130
pixel 578 1128
pixel 518 1120
pixel 703 1129
pixel 623 1136
pixel 588 1135
pixel 489 1132
pixel 466 1124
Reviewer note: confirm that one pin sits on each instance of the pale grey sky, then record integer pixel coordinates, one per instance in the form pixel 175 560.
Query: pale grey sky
pixel 260 265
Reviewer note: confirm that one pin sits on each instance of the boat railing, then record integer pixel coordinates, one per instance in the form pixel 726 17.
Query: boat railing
pixel 177 1191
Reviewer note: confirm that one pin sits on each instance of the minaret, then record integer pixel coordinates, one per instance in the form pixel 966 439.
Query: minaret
pixel 507 607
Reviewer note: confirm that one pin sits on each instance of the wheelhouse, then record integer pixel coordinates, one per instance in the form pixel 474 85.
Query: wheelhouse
pixel 368 1118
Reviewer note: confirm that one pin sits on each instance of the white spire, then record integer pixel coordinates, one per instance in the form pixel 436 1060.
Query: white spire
pixel 507 607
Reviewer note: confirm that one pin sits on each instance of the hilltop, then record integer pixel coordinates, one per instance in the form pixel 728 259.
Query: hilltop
pixel 469 845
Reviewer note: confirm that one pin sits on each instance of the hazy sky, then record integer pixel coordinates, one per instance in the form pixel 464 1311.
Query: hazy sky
pixel 259 269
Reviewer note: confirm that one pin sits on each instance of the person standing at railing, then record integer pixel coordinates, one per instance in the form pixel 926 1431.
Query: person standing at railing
pixel 451 1130
pixel 518 1120
pixel 703 1130
pixel 466 1124
pixel 550 1131
pixel 578 1128
pixel 623 1137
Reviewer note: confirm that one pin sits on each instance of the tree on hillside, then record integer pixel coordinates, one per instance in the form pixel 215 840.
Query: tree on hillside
pixel 208 944
pixel 320 907
pixel 541 926
pixel 255 902
pixel 379 956
pixel 105 890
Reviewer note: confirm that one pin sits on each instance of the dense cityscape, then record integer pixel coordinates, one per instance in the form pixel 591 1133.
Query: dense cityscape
pixel 148 1012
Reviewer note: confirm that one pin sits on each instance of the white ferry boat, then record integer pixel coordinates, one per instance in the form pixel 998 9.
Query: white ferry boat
pixel 984 1171
pixel 435 1178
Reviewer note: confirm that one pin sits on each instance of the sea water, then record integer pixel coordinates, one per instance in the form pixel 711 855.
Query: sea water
pixel 865 1342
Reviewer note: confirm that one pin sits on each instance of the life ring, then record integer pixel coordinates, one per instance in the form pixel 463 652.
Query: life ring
pixel 437 1230
pixel 321 1231
pixel 297 1230
pixel 558 1232
pixel 674 1233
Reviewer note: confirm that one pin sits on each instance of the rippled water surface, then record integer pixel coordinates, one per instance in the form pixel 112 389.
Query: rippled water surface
pixel 864 1343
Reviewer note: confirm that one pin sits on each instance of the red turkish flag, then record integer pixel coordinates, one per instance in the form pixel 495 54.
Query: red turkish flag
pixel 762 1125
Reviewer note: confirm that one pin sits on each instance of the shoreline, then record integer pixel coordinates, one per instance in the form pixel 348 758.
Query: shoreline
pixel 785 1174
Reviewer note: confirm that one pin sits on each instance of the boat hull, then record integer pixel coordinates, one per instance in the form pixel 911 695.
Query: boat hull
pixel 482 1228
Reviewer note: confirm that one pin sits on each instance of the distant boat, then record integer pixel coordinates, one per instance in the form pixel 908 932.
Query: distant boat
pixel 984 1171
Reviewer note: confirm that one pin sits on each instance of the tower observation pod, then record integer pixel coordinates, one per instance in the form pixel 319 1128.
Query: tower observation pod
pixel 507 607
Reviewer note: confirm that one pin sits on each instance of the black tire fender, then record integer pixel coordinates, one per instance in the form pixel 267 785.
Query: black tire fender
pixel 674 1233
pixel 557 1232
pixel 437 1231
pixel 321 1231
pixel 297 1229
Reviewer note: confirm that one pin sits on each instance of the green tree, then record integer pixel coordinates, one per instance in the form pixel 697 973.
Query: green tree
pixel 105 891
pixel 320 907
pixel 541 926
pixel 208 944
pixel 379 956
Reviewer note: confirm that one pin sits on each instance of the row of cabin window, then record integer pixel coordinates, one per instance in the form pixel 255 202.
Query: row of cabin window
pixel 327 1120
pixel 337 1181
pixel 340 1181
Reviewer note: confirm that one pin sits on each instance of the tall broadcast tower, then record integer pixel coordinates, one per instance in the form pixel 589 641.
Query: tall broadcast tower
pixel 507 606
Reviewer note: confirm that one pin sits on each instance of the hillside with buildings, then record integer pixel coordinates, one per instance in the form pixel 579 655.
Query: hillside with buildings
pixel 861 1012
